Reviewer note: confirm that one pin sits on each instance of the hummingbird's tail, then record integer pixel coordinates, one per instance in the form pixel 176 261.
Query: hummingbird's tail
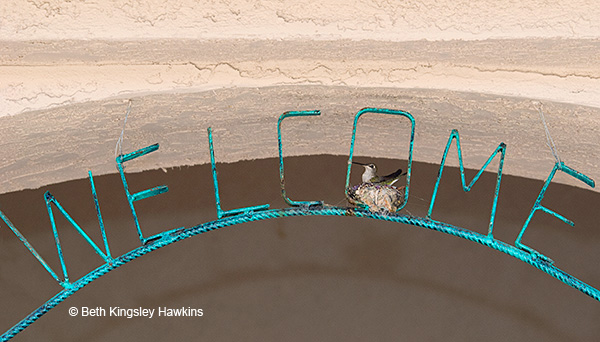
pixel 398 173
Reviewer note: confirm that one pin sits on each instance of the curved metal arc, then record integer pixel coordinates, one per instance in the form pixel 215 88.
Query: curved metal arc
pixel 248 214
pixel 410 149
pixel 281 172
pixel 170 237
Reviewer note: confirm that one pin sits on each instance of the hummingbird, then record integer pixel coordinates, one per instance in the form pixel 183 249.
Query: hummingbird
pixel 370 175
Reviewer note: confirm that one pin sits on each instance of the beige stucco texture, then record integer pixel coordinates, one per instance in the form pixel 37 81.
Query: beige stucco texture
pixel 68 69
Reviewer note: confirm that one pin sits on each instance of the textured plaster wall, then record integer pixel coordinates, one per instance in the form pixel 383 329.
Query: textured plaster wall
pixel 37 75
pixel 68 69
pixel 45 62
pixel 272 19
pixel 66 64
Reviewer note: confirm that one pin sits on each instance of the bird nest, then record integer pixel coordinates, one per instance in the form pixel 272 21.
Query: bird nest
pixel 377 197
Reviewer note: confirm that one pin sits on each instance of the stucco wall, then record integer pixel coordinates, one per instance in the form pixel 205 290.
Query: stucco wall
pixel 272 19
pixel 64 63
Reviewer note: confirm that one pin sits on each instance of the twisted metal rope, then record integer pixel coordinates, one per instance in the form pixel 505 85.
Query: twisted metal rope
pixel 170 237
pixel 300 208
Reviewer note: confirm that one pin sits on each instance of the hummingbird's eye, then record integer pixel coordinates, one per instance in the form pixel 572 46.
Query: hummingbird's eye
pixel 371 165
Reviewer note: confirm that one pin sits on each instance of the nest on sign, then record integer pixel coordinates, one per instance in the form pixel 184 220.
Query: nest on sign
pixel 377 197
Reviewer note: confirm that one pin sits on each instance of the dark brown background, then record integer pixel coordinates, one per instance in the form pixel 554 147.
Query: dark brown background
pixel 307 278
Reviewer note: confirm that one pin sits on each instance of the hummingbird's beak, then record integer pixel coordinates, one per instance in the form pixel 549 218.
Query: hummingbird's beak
pixel 357 163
